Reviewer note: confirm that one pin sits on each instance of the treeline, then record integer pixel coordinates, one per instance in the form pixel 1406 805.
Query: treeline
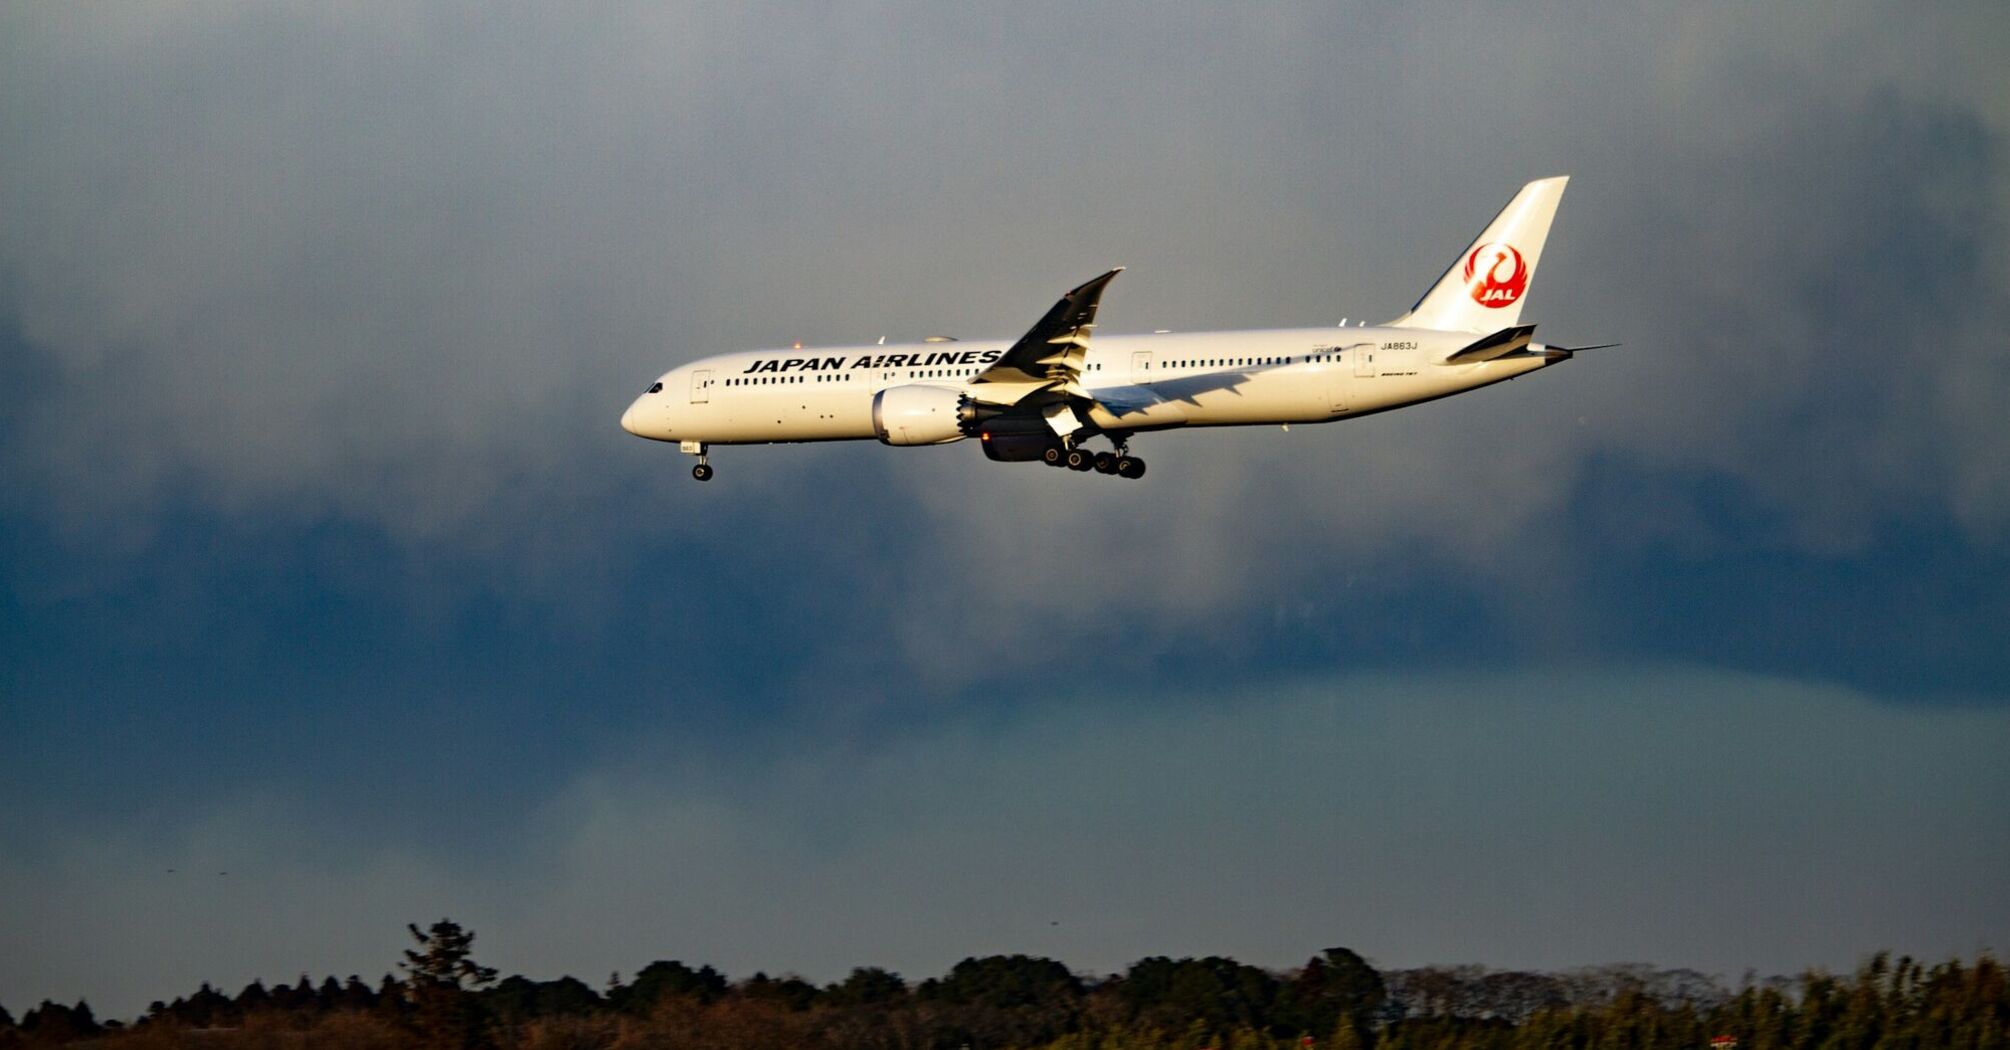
pixel 443 1000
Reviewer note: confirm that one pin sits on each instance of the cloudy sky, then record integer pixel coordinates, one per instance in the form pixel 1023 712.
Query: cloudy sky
pixel 332 597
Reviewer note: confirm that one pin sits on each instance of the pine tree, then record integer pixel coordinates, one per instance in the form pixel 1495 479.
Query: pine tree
pixel 356 995
pixel 440 976
pixel 254 997
pixel 328 995
pixel 53 1022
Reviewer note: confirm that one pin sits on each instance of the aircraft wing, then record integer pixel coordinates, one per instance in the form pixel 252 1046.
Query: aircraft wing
pixel 1047 360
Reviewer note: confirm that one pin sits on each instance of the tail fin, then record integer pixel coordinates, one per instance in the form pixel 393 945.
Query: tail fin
pixel 1483 289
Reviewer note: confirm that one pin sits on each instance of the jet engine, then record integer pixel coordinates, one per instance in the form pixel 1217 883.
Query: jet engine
pixel 918 414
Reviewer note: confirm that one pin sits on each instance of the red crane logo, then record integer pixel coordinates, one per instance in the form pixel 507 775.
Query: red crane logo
pixel 1502 275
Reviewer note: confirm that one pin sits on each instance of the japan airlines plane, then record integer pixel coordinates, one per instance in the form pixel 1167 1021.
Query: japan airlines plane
pixel 1047 395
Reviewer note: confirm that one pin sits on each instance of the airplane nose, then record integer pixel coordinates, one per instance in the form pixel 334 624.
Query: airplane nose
pixel 630 420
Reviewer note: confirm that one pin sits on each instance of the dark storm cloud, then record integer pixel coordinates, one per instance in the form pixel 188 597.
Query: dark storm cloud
pixel 383 265
pixel 1521 819
pixel 402 269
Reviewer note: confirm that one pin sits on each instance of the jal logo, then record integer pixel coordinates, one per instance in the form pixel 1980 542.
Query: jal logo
pixel 1496 275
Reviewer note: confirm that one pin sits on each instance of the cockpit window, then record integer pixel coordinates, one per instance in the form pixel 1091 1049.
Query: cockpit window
pixel 656 388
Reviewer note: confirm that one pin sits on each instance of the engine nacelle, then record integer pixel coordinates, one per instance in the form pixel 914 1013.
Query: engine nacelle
pixel 918 414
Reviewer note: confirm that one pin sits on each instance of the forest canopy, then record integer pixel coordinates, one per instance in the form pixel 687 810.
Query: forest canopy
pixel 440 998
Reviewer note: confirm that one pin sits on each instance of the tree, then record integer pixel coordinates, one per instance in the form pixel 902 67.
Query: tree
pixel 1007 1000
pixel 328 994
pixel 389 998
pixel 666 979
pixel 1221 993
pixel 440 975
pixel 207 1008
pixel 567 995
pixel 1334 986
pixel 356 995
pixel 55 1023
pixel 794 993
pixel 519 999
pixel 867 986
pixel 254 997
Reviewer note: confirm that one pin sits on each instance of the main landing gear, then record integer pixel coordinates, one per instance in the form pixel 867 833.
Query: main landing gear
pixel 1120 462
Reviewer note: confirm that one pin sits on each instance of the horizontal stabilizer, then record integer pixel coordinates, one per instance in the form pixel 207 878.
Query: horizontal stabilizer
pixel 1500 344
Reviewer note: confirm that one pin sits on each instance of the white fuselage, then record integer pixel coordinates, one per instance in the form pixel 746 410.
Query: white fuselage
pixel 1160 381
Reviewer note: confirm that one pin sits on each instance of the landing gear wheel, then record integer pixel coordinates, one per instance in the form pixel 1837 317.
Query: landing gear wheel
pixel 1081 459
pixel 1130 468
pixel 1106 463
pixel 1054 456
pixel 703 472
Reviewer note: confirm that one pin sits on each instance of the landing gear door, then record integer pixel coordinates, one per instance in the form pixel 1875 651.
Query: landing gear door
pixel 701 386
pixel 1141 367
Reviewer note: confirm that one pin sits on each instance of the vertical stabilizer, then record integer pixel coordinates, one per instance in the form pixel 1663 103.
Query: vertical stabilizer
pixel 1483 289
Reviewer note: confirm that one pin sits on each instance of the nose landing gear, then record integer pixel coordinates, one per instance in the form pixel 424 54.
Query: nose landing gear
pixel 703 471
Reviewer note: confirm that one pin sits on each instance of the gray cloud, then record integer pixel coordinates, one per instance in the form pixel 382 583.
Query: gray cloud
pixel 402 267
pixel 1534 818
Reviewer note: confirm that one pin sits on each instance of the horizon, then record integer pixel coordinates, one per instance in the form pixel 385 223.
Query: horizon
pixel 1599 981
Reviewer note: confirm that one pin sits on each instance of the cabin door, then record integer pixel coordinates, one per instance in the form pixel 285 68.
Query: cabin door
pixel 701 386
pixel 1141 366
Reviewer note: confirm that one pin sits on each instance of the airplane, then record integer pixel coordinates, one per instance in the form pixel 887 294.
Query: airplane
pixel 1043 397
